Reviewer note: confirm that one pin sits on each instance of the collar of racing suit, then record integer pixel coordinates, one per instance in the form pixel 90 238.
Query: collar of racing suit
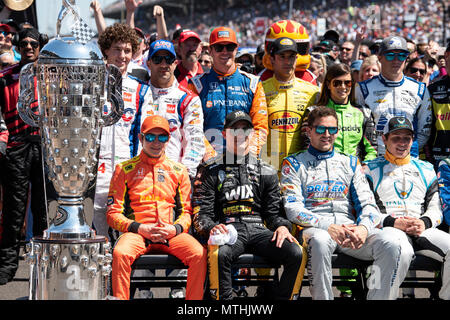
pixel 220 74
pixel 397 161
pixel 320 155
pixel 152 161
pixel 389 83
pixel 337 106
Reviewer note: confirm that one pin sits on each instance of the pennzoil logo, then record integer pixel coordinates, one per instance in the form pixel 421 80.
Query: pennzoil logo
pixel 285 121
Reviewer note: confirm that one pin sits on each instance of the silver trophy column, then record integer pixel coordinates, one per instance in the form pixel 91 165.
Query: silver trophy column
pixel 74 85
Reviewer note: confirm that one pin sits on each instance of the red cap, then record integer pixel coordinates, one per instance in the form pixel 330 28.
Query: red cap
pixel 222 34
pixel 6 27
pixel 188 34
pixel 155 121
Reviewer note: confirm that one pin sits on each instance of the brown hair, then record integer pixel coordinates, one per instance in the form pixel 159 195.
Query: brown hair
pixel 118 32
pixel 321 112
pixel 334 71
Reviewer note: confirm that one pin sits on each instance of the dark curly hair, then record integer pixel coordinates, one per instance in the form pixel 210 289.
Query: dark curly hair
pixel 118 32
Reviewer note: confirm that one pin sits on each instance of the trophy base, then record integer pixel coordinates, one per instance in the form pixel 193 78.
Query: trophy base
pixel 68 269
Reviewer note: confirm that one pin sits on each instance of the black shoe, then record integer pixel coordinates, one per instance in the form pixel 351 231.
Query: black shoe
pixel 4 278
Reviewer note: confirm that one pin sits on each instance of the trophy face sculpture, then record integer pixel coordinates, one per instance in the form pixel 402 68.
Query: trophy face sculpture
pixel 73 85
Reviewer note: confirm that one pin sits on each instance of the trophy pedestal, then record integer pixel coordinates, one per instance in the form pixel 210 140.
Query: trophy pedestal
pixel 69 269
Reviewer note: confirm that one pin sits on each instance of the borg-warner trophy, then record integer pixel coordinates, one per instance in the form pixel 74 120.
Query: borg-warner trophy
pixel 73 85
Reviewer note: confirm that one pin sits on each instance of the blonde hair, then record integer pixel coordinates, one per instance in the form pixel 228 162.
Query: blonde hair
pixel 370 60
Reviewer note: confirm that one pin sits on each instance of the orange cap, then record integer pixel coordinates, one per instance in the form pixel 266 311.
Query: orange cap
pixel 222 34
pixel 155 121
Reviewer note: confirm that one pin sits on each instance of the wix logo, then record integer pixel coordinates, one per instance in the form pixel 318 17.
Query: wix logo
pixel 240 192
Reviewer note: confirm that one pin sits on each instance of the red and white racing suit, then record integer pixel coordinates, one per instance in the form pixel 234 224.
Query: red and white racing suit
pixel 183 109
pixel 119 143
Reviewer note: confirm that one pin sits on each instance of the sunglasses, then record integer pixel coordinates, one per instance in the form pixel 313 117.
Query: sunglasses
pixel 229 47
pixel 338 83
pixel 414 70
pixel 163 138
pixel 322 129
pixel 363 54
pixel 205 61
pixel 5 64
pixel 5 34
pixel 159 59
pixel 346 49
pixel 241 132
pixel 24 44
pixel 390 56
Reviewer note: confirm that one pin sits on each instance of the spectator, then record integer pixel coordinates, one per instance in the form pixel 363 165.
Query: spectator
pixel 287 99
pixel 248 213
pixel 225 89
pixel 417 69
pixel 370 68
pixel 384 93
pixel 22 163
pixel 259 59
pixel 397 178
pixel 189 49
pixel 206 61
pixel 153 226
pixel 245 61
pixel 6 59
pixel 346 52
pixel 318 67
pixel 119 142
pixel 328 226
pixel 6 36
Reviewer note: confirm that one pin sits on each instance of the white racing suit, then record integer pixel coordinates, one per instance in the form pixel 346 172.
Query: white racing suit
pixel 119 142
pixel 321 189
pixel 410 188
pixel 386 99
pixel 183 109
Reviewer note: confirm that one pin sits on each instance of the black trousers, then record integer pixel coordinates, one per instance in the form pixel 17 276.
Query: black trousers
pixel 21 166
pixel 255 238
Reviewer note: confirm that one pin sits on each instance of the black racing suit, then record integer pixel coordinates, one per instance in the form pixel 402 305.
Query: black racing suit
pixel 20 167
pixel 244 192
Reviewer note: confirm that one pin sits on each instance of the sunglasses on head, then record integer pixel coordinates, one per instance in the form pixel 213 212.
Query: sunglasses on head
pixel 150 137
pixel 241 132
pixel 338 83
pixel 322 129
pixel 414 70
pixel 230 47
pixel 159 59
pixel 401 56
pixel 24 44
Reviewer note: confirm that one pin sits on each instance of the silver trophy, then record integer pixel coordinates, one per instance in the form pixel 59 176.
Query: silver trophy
pixel 73 85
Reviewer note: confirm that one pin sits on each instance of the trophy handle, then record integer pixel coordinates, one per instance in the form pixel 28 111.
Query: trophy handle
pixel 26 96
pixel 114 95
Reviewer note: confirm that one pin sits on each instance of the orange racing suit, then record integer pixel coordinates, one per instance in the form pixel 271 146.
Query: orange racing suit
pixel 144 190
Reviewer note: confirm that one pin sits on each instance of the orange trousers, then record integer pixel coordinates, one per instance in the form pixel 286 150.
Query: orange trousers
pixel 131 246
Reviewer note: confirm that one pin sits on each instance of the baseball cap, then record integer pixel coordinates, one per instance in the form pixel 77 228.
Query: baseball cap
pixel 6 27
pixel 186 34
pixel 393 43
pixel 161 45
pixel 398 123
pixel 356 65
pixel 222 34
pixel 325 45
pixel 236 116
pixel 139 32
pixel 155 121
pixel 283 44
